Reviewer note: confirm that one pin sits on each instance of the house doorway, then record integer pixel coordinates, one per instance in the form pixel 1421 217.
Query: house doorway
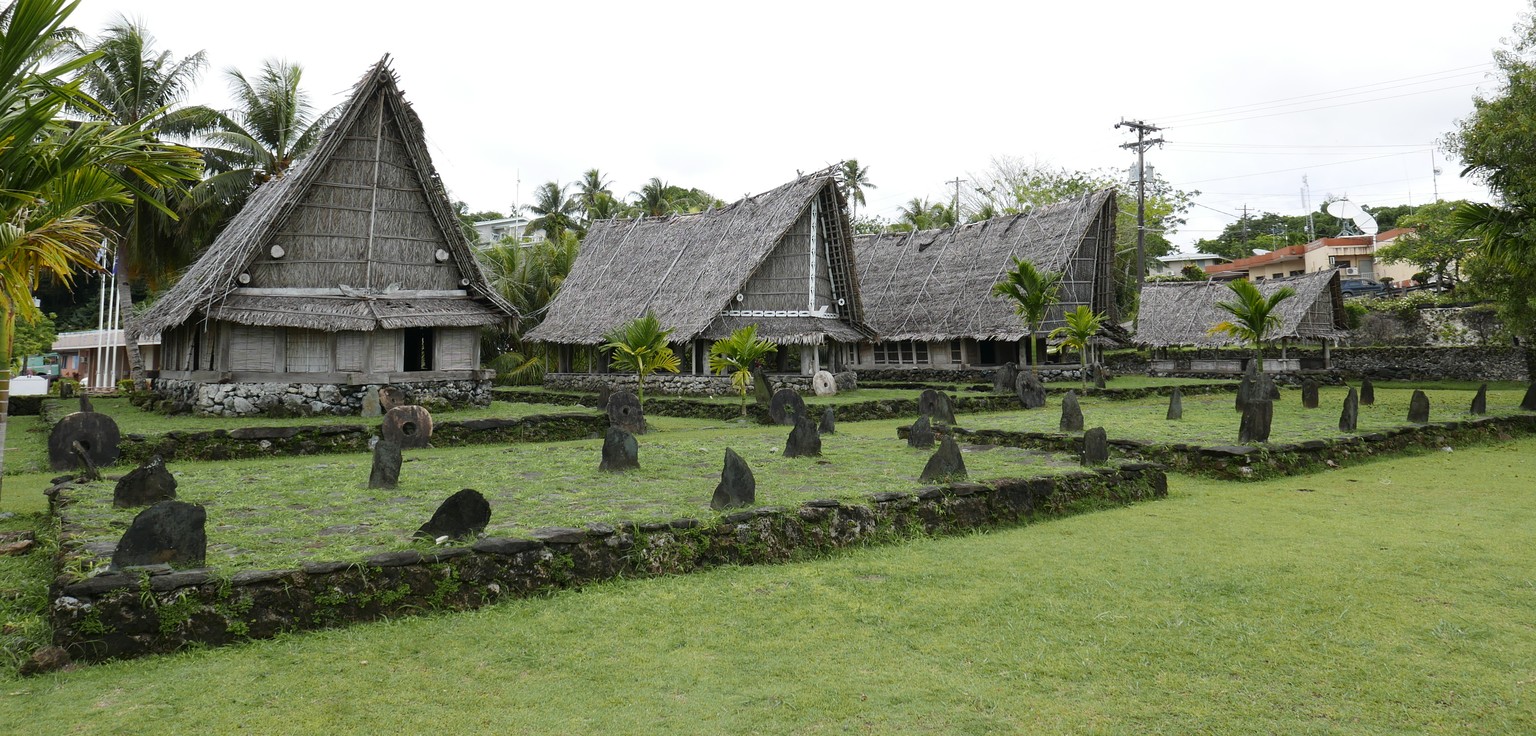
pixel 418 348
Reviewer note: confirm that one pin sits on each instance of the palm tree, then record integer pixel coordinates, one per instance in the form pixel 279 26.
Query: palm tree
pixel 56 174
pixel 1081 325
pixel 641 346
pixel 855 181
pixel 594 189
pixel 556 212
pixel 1253 315
pixel 737 355
pixel 1033 292
pixel 136 85
pixel 272 125
pixel 528 278
pixel 916 214
pixel 654 198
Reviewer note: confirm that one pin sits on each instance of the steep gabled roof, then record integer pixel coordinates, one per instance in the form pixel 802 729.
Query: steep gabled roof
pixel 1183 313
pixel 687 269
pixel 348 292
pixel 937 284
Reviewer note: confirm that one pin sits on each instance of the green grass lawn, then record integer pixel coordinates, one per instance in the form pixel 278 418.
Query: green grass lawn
pixel 1392 597
pixel 1211 420
pixel 278 512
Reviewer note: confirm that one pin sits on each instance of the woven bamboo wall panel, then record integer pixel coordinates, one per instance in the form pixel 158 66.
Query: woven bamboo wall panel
pixel 456 349
pixel 308 351
pixel 350 347
pixel 387 352
pixel 252 348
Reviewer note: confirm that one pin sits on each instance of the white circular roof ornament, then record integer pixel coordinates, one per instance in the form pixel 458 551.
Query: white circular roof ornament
pixel 244 278
pixel 441 255
pixel 278 252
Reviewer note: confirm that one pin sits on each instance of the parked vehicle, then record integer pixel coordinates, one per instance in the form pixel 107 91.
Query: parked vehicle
pixel 1362 287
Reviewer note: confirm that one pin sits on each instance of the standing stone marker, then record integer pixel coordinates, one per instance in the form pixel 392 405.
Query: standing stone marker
pixel 1248 386
pixel 145 485
pixel 1480 401
pixel 1256 421
pixel 391 397
pixel 762 392
pixel 1367 392
pixel 803 439
pixel 828 422
pixel 386 465
pixel 464 514
pixel 737 487
pixel 1098 375
pixel 1176 404
pixel 1529 402
pixel 408 426
pixel 1095 447
pixel 1350 417
pixel 1005 378
pixel 920 435
pixel 785 406
pixel 67 390
pixel 373 406
pixel 1418 408
pixel 169 532
pixel 1309 394
pixel 1030 391
pixel 936 404
pixel 1071 413
pixel 95 432
pixel 824 384
pixel 620 451
pixel 625 413
pixel 946 464
pixel 85 403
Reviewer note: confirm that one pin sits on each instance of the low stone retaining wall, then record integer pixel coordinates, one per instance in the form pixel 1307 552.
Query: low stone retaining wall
pixel 306 399
pixel 135 613
pixel 1242 462
pixel 681 385
pixel 1436 364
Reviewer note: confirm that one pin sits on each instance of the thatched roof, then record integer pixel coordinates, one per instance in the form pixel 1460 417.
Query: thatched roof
pixel 1182 314
pixel 359 235
pixel 937 284
pixel 689 270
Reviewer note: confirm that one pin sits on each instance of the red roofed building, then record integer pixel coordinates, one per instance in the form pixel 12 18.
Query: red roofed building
pixel 1353 255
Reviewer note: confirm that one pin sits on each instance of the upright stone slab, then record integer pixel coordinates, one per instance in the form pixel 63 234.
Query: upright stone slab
pixel 373 406
pixel 145 485
pixel 803 440
pixel 762 391
pixel 1350 417
pixel 1247 386
pixel 1309 394
pixel 1095 447
pixel 386 465
pixel 1005 378
pixel 97 433
pixel 624 412
pixel 408 426
pixel 1367 392
pixel 920 435
pixel 1529 402
pixel 936 404
pixel 391 397
pixel 1071 413
pixel 1480 401
pixel 464 514
pixel 1418 408
pixel 1030 391
pixel 737 487
pixel 785 406
pixel 824 384
pixel 620 451
pixel 85 403
pixel 946 464
pixel 1099 378
pixel 828 422
pixel 1176 404
pixel 1265 389
pixel 67 390
pixel 1258 415
pixel 169 532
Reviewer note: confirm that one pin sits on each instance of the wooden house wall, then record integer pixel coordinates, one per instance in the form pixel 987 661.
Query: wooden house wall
pixel 253 348
pixel 351 350
pixel 387 354
pixel 306 351
pixel 782 282
pixel 457 349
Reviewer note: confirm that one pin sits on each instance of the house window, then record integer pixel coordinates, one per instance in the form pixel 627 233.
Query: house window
pixel 903 352
pixel 418 348
pixel 956 352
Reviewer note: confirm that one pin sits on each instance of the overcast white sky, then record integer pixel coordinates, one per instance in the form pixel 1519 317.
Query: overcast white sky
pixel 734 98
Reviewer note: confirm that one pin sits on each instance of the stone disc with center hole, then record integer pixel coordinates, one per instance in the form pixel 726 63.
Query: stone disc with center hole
pixel 785 405
pixel 410 426
pixel 624 412
pixel 96 432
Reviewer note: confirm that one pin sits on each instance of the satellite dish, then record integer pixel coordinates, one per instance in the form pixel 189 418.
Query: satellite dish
pixel 1347 210
pixel 1259 251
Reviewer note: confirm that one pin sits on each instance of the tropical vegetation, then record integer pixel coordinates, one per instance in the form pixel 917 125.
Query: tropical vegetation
pixel 737 355
pixel 1033 292
pixel 640 347
pixel 1080 325
pixel 1253 315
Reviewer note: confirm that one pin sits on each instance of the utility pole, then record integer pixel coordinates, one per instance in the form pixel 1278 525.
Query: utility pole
pixel 957 182
pixel 1141 145
pixel 1434 170
pixel 1244 221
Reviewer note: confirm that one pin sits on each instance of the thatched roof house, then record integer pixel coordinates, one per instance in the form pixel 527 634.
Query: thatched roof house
pixel 935 286
pixel 1181 314
pixel 781 260
pixel 350 270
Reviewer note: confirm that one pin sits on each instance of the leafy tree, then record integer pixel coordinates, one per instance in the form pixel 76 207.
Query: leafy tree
pixel 737 355
pixel 556 212
pixel 1080 325
pixel 921 214
pixel 57 173
pixel 657 198
pixel 596 196
pixel 855 182
pixel 870 225
pixel 1191 272
pixel 1436 244
pixel 528 278
pixel 641 347
pixel 1253 315
pixel 1033 292
pixel 34 335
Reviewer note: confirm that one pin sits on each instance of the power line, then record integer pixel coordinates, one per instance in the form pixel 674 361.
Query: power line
pixel 1325 107
pixel 1141 145
pixel 1297 168
pixel 1364 87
